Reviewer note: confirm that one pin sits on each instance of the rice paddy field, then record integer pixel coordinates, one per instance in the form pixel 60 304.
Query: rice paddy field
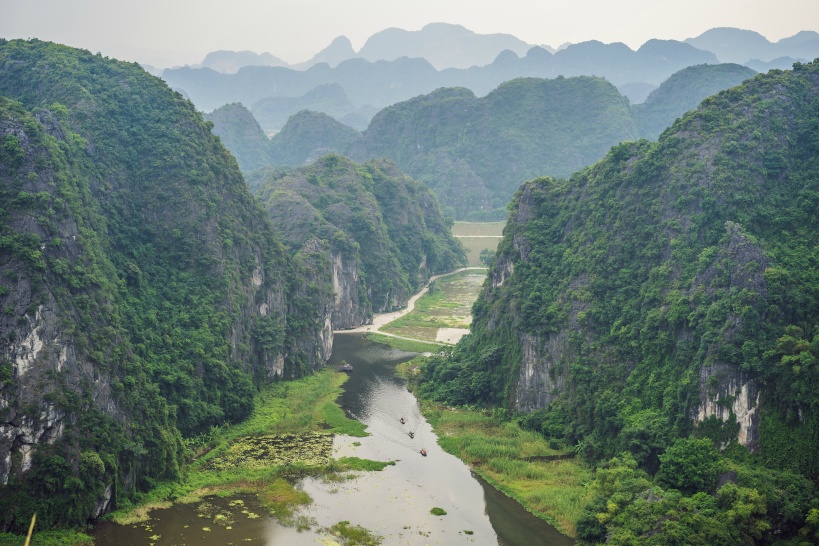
pixel 477 236
pixel 445 312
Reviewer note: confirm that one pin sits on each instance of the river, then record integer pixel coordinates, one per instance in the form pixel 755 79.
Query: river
pixel 394 503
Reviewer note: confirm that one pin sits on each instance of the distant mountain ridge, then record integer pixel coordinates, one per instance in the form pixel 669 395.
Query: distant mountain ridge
pixel 396 65
pixel 442 44
pixel 382 83
pixel 733 45
pixel 474 152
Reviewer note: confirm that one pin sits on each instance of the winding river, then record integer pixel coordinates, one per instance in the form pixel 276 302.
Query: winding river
pixel 394 503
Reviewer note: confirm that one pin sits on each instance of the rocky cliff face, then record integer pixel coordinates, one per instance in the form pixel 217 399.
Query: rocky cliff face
pixel 726 393
pixel 348 309
pixel 143 290
pixel 37 349
pixel 381 234
pixel 666 290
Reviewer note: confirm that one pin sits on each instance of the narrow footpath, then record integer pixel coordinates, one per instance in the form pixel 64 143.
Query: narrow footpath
pixel 383 319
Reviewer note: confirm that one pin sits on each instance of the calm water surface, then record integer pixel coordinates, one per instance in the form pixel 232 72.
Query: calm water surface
pixel 394 503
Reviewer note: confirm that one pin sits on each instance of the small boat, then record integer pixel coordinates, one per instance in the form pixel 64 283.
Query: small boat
pixel 346 368
pixel 423 452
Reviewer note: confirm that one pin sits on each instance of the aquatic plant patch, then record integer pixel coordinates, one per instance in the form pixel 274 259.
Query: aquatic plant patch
pixel 354 535
pixel 280 450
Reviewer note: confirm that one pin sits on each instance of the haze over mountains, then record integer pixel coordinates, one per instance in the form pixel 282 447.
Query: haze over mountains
pixel 396 65
pixel 474 152
pixel 446 45
pixel 656 289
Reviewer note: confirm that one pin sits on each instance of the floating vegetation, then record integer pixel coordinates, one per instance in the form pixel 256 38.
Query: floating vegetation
pixel 354 535
pixel 438 511
pixel 281 450
pixel 280 497
pixel 355 463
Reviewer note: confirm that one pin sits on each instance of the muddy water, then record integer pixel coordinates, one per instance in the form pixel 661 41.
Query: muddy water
pixel 394 503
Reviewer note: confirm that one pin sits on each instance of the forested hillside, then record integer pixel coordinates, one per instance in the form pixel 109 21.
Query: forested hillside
pixel 473 152
pixel 143 291
pixel 242 135
pixel 682 92
pixel 310 135
pixel 658 311
pixel 379 234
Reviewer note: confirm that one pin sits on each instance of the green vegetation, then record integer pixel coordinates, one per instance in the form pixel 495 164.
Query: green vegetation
pixel 682 92
pixel 658 312
pixel 48 538
pixel 242 135
pixel 130 244
pixel 447 304
pixel 520 463
pixel 289 435
pixel 408 345
pixel 436 511
pixel 309 135
pixel 383 231
pixel 354 535
pixel 474 152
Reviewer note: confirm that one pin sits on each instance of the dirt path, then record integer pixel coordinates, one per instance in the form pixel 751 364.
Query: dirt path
pixel 385 318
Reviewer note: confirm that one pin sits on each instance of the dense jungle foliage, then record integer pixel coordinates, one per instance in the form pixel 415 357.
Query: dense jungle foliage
pixel 682 92
pixel 658 311
pixel 474 152
pixel 380 221
pixel 242 135
pixel 123 217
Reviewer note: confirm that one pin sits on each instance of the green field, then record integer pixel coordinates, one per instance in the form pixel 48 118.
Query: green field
pixel 448 305
pixel 477 236
pixel 461 229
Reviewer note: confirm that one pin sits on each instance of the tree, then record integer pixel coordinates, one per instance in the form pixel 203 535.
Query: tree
pixel 690 465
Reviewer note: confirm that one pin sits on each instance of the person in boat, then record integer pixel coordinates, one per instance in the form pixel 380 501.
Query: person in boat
pixel 411 434
pixel 423 452
pixel 402 421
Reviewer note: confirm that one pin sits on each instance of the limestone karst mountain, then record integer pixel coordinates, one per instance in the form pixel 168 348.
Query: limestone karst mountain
pixel 145 291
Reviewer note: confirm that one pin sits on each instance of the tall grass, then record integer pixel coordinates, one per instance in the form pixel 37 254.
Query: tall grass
pixel 516 462
pixel 293 407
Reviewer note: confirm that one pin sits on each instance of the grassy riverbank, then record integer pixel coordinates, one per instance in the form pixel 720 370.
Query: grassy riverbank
pixel 409 345
pixel 288 436
pixel 518 462
pixel 546 481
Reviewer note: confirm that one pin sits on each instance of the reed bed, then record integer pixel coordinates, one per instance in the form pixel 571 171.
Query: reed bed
pixel 546 481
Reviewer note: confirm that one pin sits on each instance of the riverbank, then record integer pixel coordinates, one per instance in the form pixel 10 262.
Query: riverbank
pixel 289 436
pixel 382 319
pixel 547 482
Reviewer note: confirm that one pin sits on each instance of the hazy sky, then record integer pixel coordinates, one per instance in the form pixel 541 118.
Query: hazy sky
pixel 172 32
